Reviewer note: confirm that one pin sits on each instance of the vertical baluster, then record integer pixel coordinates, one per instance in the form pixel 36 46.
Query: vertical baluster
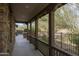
pixel 72 49
pixel 67 44
pixel 78 47
pixel 75 49
pixel 61 40
pixel 53 51
pixel 71 43
pixel 58 53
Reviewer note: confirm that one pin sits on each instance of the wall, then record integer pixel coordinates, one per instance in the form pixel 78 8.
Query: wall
pixel 7 32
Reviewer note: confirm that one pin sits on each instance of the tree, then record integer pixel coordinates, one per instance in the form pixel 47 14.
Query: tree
pixel 66 18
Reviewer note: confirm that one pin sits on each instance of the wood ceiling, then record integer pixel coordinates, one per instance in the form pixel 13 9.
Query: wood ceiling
pixel 25 11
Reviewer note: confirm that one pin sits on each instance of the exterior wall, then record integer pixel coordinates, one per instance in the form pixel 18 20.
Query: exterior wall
pixel 12 40
pixel 7 29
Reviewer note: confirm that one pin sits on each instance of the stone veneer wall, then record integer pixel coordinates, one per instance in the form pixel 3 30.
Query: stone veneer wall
pixel 7 30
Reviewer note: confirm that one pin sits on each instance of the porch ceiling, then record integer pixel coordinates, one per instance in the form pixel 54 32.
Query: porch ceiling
pixel 25 11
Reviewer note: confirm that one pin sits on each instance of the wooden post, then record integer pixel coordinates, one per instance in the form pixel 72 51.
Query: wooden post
pixel 51 32
pixel 27 25
pixel 61 40
pixel 30 30
pixel 27 31
pixel 36 32
pixel 50 37
pixel 10 29
pixel 30 26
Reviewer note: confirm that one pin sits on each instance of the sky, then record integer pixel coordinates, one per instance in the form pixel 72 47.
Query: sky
pixel 20 24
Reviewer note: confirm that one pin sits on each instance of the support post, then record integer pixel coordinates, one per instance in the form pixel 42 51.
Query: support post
pixel 36 32
pixel 30 30
pixel 51 32
pixel 27 31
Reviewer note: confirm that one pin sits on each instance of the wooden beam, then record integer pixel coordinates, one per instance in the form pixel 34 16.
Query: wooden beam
pixel 47 9
pixel 21 22
pixel 27 31
pixel 30 30
pixel 50 34
pixel 36 32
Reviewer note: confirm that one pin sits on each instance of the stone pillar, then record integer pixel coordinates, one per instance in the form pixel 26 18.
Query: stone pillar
pixel 7 29
pixel 4 28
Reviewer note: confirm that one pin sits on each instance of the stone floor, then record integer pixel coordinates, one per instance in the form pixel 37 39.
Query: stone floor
pixel 22 47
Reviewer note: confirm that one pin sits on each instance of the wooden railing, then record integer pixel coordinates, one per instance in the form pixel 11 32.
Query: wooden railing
pixel 4 54
pixel 60 52
pixel 44 48
pixel 65 41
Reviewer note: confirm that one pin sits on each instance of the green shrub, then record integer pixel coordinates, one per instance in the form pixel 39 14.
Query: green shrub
pixel 75 39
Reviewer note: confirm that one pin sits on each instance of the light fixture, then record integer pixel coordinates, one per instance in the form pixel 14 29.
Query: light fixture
pixel 26 6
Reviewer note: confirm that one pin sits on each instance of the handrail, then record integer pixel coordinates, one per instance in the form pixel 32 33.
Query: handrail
pixel 4 54
pixel 63 51
pixel 56 48
pixel 39 40
pixel 61 32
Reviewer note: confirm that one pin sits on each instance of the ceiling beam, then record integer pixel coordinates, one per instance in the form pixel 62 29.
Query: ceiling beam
pixel 46 10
